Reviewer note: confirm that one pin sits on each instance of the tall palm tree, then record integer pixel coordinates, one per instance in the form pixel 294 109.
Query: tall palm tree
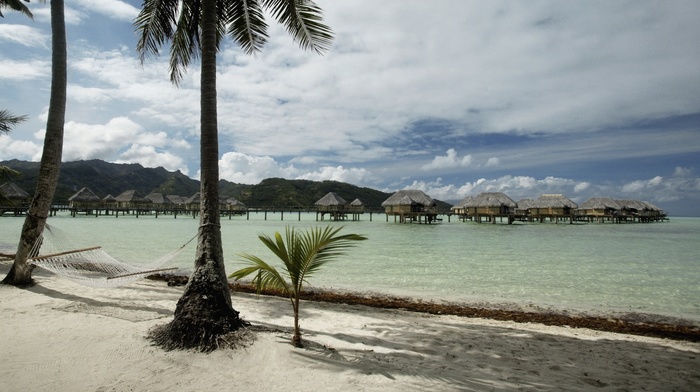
pixel 196 27
pixel 302 255
pixel 17 6
pixel 47 179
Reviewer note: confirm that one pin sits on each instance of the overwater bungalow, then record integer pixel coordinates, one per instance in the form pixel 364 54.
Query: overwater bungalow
pixel 599 209
pixel 411 205
pixel 233 205
pixel 333 205
pixel 85 200
pixel 553 207
pixel 192 203
pixel 491 205
pixel 160 202
pixel 177 200
pixel 461 207
pixel 131 199
pixel 637 210
pixel 13 199
pixel 356 208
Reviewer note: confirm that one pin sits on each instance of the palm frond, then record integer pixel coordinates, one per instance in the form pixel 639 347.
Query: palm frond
pixel 247 25
pixel 304 22
pixel 155 24
pixel 8 120
pixel 17 6
pixel 267 276
pixel 185 45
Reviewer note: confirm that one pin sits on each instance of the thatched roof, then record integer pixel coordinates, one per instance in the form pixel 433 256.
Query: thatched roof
pixel 637 205
pixel 131 196
pixel 651 207
pixel 331 199
pixel 356 203
pixel 491 199
pixel 158 198
pixel 176 199
pixel 600 203
pixel 552 201
pixel 462 203
pixel 194 199
pixel 232 201
pixel 12 192
pixel 84 195
pixel 524 204
pixel 109 199
pixel 409 197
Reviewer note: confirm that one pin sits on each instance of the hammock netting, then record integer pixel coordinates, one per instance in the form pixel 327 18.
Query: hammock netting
pixel 91 266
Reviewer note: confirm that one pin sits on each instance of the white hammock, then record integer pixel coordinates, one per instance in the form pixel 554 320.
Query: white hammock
pixel 91 266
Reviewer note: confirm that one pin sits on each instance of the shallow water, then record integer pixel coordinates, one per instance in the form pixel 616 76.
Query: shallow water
pixel 639 268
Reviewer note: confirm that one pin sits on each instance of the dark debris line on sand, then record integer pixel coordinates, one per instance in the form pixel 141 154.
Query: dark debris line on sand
pixel 607 324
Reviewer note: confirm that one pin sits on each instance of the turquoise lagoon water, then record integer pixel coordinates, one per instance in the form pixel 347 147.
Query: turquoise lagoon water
pixel 649 268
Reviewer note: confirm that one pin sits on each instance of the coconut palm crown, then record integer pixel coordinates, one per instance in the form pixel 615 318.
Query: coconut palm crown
pixel 179 21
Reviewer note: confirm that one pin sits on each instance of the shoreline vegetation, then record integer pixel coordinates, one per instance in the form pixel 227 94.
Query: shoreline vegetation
pixel 630 323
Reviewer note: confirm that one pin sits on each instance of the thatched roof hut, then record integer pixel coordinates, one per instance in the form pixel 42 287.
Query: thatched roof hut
pixel 409 200
pixel 10 192
pixel 176 199
pixel 233 204
pixel 109 200
pixel 551 204
pixel 159 199
pixel 131 198
pixel 599 206
pixel 331 202
pixel 461 206
pixel 84 198
pixel 357 206
pixel 491 203
pixel 638 207
pixel 193 202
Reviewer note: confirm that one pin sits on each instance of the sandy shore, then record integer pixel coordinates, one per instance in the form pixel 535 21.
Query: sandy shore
pixel 60 336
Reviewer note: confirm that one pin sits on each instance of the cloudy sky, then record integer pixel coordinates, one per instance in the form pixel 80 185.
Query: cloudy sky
pixel 584 98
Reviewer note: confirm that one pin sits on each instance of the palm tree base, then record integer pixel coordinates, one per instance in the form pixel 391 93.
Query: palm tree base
pixel 202 318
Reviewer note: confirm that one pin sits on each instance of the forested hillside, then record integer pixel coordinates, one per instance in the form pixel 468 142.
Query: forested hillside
pixel 105 178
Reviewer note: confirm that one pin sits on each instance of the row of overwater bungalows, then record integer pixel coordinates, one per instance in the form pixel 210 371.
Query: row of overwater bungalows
pixel 404 206
pixel 86 201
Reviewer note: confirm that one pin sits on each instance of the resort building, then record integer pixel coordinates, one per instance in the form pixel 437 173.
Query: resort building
pixel 131 199
pixel 491 205
pixel 84 200
pixel 233 205
pixel 13 199
pixel 411 206
pixel 333 205
pixel 553 207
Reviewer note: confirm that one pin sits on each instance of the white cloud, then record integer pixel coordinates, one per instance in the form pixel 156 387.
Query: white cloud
pixel 24 35
pixel 639 185
pixel 246 169
pixel 451 160
pixel 355 176
pixel 89 141
pixel 18 71
pixel 493 161
pixel 148 156
pixel 18 149
pixel 114 9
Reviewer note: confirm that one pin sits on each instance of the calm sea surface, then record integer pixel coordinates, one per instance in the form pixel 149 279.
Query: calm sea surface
pixel 649 268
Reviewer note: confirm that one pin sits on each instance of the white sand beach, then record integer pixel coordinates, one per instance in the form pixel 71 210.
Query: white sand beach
pixel 60 336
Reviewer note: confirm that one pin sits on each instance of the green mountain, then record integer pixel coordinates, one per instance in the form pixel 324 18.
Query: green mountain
pixel 105 178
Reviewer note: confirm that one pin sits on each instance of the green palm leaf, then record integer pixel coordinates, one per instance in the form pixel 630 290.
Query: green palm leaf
pixel 302 255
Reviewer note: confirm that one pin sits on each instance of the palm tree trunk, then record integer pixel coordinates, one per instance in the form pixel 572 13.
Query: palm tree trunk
pixel 49 169
pixel 204 311
pixel 296 337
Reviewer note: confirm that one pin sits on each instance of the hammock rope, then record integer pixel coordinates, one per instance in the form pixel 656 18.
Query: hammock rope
pixel 92 266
